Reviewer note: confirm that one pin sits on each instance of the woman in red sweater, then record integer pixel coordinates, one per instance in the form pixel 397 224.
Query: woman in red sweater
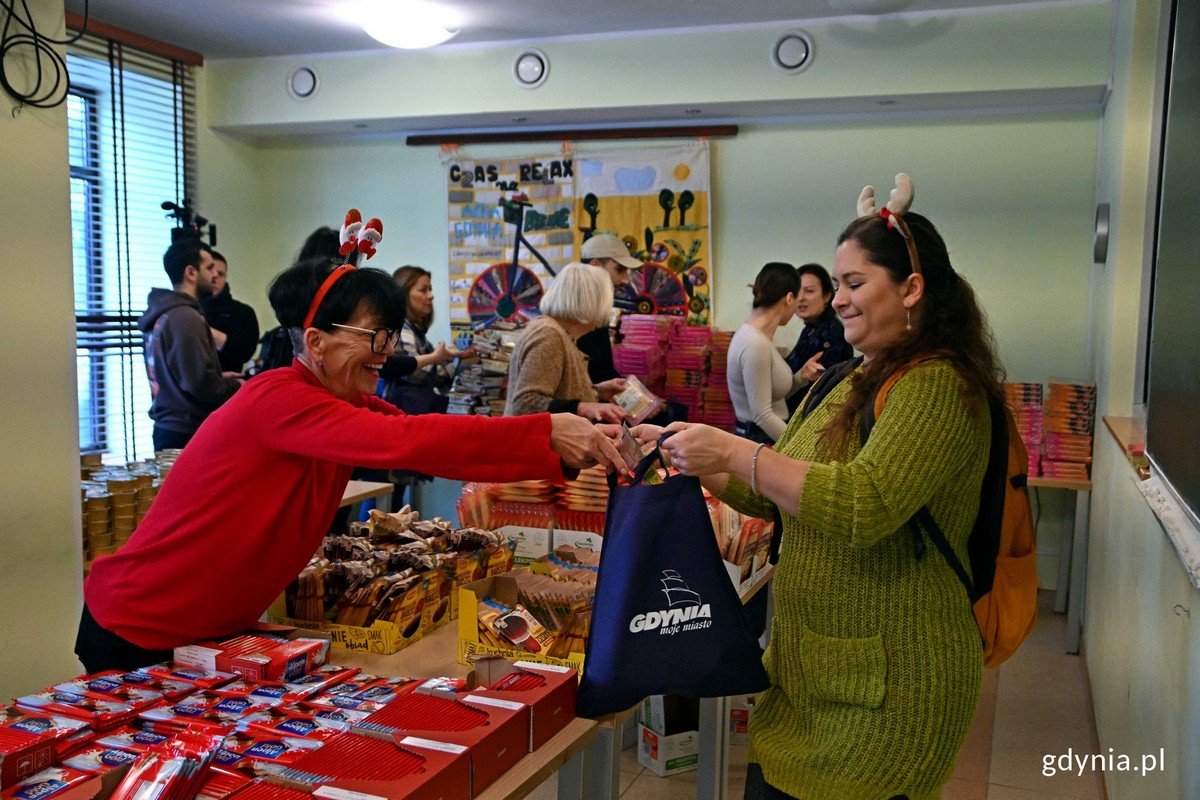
pixel 248 501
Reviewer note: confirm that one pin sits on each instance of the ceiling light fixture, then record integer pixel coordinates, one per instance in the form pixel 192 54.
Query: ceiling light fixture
pixel 407 24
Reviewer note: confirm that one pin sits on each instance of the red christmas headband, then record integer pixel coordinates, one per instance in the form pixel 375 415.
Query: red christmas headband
pixel 898 203
pixel 358 240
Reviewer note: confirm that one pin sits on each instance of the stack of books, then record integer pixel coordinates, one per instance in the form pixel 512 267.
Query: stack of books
pixel 1069 422
pixel 1025 400
pixel 479 384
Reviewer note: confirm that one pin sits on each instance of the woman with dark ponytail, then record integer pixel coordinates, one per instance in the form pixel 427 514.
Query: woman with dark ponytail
pixel 759 378
pixel 875 656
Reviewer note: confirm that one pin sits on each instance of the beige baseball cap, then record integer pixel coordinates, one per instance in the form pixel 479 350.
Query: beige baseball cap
pixel 607 245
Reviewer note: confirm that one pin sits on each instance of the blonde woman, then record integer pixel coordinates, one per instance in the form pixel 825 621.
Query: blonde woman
pixel 548 372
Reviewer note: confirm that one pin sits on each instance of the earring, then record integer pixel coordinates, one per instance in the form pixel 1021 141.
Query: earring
pixel 907 319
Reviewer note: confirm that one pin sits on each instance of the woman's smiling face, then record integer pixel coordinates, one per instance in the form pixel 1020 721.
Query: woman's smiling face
pixel 871 305
pixel 350 367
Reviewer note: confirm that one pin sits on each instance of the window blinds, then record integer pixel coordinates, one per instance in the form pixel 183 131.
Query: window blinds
pixel 132 144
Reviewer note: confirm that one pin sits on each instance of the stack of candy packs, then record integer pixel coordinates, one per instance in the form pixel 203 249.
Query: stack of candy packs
pixel 718 407
pixel 546 610
pixel 1069 420
pixel 687 364
pixel 644 339
pixel 1025 401
pixel 396 568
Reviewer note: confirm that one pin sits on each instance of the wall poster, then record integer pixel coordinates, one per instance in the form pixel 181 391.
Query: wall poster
pixel 657 200
pixel 496 274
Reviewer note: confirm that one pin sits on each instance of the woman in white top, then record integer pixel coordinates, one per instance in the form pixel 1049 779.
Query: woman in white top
pixel 759 378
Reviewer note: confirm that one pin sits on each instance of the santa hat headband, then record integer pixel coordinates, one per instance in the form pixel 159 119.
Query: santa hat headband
pixel 357 240
pixel 893 212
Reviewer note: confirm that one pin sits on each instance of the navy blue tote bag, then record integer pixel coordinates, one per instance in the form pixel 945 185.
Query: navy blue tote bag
pixel 667 619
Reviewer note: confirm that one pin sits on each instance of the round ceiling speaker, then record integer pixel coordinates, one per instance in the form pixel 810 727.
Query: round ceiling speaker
pixel 530 69
pixel 303 83
pixel 792 52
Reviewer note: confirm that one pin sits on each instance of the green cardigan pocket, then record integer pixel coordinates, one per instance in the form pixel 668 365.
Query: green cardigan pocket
pixel 851 671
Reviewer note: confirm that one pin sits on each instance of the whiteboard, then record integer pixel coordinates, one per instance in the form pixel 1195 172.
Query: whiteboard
pixel 1176 522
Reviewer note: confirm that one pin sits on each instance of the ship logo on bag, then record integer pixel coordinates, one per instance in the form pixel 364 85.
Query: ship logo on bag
pixel 685 610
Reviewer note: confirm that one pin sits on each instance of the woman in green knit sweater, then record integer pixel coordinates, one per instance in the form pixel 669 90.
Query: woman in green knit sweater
pixel 875 657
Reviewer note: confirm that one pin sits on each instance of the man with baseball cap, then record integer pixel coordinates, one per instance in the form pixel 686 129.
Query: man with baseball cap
pixel 607 251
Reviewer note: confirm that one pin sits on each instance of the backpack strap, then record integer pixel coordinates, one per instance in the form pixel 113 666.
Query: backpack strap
pixel 824 384
pixel 924 519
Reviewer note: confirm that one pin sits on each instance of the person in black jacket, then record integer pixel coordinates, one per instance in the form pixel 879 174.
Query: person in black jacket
pixel 234 324
pixel 186 380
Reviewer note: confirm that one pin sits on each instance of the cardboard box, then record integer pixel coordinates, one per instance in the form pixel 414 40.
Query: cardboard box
pixel 531 543
pixel 666 754
pixel 471 648
pixel 23 754
pixel 740 707
pixel 379 637
pixel 381 767
pixel 585 540
pixel 494 745
pixel 549 692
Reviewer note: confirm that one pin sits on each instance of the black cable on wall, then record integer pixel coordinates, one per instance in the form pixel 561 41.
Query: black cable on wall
pixel 50 78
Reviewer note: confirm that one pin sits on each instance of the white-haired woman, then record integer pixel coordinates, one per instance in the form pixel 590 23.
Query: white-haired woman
pixel 548 372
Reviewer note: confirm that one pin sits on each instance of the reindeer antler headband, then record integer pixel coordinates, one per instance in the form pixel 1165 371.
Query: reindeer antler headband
pixel 358 240
pixel 898 203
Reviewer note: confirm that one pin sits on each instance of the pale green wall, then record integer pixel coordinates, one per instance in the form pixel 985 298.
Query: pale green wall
pixel 1022 47
pixel 41 558
pixel 1142 656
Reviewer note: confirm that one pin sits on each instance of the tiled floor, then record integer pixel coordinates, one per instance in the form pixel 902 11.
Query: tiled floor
pixel 1040 707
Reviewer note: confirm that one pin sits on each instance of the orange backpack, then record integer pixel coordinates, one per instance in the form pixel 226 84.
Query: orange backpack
pixel 1002 545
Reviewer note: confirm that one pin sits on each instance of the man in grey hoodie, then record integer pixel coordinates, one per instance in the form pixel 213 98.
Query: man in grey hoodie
pixel 186 380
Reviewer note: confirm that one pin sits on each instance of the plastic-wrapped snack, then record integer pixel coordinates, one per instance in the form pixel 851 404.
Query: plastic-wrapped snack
pixel 638 401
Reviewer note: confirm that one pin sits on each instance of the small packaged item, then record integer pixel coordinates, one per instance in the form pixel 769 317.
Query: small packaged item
pixel 638 402
pixel 130 738
pixel 173 770
pixel 442 687
pixel 100 759
pixel 97 712
pixel 243 751
pixel 203 678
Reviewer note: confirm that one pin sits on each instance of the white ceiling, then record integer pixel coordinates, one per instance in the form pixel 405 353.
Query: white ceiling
pixel 251 28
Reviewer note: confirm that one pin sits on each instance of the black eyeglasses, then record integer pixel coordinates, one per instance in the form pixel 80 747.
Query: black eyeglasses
pixel 382 339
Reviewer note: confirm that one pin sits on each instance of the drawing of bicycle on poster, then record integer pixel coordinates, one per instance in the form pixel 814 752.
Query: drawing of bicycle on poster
pixel 511 228
pixel 658 201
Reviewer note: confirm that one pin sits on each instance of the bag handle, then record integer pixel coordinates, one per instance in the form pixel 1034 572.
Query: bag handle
pixel 646 464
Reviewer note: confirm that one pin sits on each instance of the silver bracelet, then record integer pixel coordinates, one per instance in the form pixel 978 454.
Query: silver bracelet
pixel 754 468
